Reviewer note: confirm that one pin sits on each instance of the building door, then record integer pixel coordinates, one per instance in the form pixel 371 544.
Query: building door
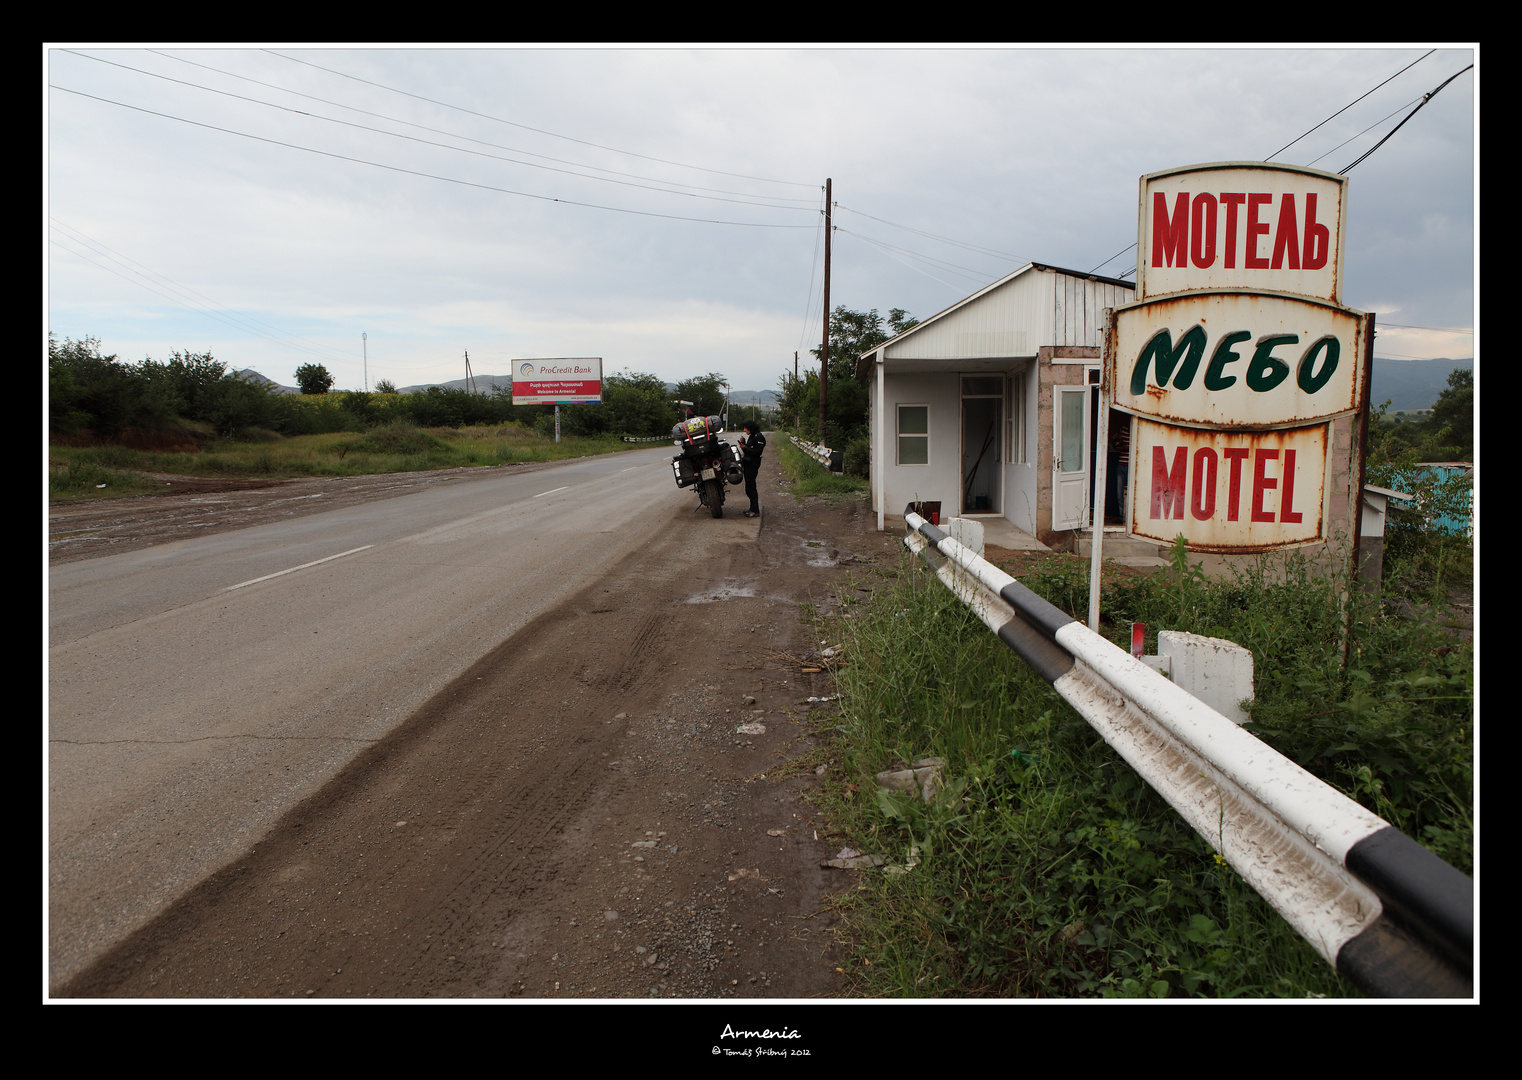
pixel 1071 451
pixel 982 443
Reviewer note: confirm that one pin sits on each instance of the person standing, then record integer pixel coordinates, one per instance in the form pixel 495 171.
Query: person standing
pixel 753 445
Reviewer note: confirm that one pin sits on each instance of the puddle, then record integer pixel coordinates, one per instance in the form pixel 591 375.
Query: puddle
pixel 818 553
pixel 724 592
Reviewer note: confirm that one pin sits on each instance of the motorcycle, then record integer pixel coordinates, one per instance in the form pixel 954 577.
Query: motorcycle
pixel 706 461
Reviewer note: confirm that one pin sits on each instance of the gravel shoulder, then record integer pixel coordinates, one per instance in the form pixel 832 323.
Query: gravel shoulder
pixel 578 816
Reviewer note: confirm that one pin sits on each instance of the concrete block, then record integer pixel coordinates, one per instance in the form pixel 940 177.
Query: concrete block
pixel 966 532
pixel 1216 671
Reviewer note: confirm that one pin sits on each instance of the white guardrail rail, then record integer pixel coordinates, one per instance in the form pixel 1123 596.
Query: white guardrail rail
pixel 830 459
pixel 1388 914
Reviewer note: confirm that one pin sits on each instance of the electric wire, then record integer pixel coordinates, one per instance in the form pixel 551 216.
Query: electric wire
pixel 1425 98
pixel 1435 329
pixel 1365 131
pixel 808 307
pixel 665 185
pixel 942 239
pixel 426 175
pixel 1348 106
pixel 430 142
pixel 188 297
pixel 1423 101
pixel 220 316
pixel 539 131
pixel 939 264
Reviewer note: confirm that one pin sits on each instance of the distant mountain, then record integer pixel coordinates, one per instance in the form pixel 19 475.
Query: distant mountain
pixel 741 397
pixel 1411 384
pixel 484 385
pixel 251 376
pixel 753 397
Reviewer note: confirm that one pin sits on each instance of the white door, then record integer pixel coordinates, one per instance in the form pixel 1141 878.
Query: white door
pixel 1070 479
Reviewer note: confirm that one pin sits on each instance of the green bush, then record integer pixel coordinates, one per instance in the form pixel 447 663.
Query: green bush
pixel 857 458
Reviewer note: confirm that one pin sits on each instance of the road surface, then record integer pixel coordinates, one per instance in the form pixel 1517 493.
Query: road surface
pixel 199 689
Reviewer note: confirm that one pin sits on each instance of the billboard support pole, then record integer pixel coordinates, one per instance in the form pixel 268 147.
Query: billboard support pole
pixel 1101 470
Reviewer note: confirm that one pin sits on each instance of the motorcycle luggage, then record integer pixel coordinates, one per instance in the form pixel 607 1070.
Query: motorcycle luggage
pixel 699 436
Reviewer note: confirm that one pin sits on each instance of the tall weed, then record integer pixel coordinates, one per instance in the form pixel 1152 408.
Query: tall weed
pixel 1047 867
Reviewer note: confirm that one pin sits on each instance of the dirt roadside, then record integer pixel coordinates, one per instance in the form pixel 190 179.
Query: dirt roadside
pixel 579 816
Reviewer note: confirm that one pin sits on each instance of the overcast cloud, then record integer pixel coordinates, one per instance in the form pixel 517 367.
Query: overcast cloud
pixel 271 237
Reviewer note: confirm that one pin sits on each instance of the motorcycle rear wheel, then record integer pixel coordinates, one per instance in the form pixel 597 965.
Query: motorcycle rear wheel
pixel 715 490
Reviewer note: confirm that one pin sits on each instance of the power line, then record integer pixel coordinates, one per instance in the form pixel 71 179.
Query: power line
pixel 425 175
pixel 428 142
pixel 939 264
pixel 537 131
pixel 942 239
pixel 1364 132
pixel 1425 98
pixel 237 322
pixel 408 123
pixel 1435 329
pixel 1348 106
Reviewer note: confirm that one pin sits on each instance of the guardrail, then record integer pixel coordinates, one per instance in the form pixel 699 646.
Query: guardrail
pixel 1389 915
pixel 834 460
pixel 651 438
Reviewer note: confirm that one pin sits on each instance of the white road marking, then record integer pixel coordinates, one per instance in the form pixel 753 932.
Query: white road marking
pixel 292 570
pixel 552 491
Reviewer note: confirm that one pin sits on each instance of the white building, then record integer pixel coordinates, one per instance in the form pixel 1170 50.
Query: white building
pixel 991 408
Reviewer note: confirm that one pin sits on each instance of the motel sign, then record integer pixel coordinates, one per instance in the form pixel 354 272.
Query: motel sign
pixel 1237 356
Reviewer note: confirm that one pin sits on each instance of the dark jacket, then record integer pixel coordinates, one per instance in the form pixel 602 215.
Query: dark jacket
pixel 755 446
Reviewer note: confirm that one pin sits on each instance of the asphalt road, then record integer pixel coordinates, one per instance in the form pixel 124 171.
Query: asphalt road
pixel 199 689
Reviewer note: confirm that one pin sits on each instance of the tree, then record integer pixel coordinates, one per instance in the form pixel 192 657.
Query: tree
pixel 706 392
pixel 385 386
pixel 1452 421
pixel 313 379
pixel 637 404
pixel 851 334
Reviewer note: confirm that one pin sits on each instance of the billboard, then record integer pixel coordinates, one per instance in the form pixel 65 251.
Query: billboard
pixel 574 381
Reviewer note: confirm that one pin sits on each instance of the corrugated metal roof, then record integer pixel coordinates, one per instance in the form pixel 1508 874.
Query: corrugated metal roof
pixel 993 338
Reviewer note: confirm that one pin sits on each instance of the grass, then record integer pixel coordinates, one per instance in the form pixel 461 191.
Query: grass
pixel 76 472
pixel 1049 868
pixel 808 477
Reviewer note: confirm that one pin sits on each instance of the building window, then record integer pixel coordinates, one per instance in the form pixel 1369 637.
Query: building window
pixel 914 434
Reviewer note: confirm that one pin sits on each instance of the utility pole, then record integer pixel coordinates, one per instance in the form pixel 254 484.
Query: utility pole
pixel 824 351
pixel 470 379
pixel 364 340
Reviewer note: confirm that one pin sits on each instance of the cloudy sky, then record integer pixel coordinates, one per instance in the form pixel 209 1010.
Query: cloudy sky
pixel 662 208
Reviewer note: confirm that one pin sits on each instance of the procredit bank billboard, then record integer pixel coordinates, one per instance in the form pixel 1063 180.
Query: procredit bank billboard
pixel 1237 355
pixel 573 381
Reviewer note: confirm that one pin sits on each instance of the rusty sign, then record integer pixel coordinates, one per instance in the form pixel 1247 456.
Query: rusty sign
pixel 1234 359
pixel 1241 225
pixel 1228 491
